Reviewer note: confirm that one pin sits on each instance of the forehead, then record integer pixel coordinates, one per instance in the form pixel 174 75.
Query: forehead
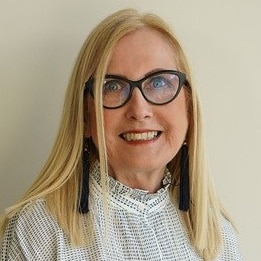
pixel 144 49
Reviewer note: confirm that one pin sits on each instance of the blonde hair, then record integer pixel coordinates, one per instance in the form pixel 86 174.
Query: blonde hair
pixel 60 178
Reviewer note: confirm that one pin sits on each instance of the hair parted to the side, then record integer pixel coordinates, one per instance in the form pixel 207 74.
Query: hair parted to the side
pixel 60 179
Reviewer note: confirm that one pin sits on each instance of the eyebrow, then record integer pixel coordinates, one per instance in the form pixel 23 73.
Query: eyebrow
pixel 146 74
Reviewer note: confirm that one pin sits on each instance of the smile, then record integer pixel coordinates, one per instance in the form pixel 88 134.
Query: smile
pixel 150 135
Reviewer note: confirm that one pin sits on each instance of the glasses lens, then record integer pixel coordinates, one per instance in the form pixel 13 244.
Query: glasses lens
pixel 161 88
pixel 115 92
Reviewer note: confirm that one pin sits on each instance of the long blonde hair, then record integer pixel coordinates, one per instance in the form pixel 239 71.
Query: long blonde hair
pixel 60 178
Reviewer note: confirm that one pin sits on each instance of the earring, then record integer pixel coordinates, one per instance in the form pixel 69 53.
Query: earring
pixel 184 197
pixel 84 196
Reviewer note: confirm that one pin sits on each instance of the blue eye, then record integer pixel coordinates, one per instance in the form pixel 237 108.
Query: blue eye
pixel 158 82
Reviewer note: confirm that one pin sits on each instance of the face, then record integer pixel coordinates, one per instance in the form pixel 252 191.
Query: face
pixel 157 131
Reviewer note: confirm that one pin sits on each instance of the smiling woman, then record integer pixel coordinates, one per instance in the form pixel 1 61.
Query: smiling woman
pixel 146 110
pixel 126 179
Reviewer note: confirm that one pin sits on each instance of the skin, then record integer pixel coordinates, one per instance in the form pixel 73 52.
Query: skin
pixel 141 164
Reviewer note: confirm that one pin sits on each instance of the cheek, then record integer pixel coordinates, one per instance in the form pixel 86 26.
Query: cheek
pixel 111 123
pixel 178 116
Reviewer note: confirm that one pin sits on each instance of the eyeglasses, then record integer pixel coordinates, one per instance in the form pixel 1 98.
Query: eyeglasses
pixel 157 88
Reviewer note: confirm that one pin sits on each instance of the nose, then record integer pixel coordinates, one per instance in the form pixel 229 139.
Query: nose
pixel 137 107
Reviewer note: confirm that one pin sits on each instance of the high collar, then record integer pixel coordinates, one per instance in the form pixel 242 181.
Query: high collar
pixel 131 199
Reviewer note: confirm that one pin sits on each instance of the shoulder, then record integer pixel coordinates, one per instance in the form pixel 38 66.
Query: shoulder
pixel 31 230
pixel 230 249
pixel 32 220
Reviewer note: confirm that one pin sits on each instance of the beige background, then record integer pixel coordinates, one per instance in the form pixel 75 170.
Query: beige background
pixel 39 43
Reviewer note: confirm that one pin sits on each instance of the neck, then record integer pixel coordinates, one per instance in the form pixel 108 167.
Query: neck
pixel 150 181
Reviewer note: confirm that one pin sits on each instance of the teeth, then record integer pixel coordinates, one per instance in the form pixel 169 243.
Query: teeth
pixel 140 136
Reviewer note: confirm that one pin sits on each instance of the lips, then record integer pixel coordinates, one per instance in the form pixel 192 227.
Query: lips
pixel 140 136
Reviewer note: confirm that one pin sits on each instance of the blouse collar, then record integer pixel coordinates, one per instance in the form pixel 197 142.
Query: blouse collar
pixel 137 200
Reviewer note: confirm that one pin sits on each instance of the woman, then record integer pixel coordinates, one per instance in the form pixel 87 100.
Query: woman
pixel 118 184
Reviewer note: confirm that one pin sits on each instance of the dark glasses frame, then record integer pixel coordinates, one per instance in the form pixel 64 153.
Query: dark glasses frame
pixel 182 81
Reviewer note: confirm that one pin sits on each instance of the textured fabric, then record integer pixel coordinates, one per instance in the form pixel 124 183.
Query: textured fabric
pixel 140 226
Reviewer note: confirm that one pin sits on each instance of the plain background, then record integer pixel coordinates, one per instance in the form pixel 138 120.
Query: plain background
pixel 39 43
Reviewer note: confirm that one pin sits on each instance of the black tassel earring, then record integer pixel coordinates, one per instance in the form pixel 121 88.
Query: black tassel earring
pixel 84 206
pixel 184 199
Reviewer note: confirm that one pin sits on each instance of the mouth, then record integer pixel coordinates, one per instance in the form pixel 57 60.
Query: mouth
pixel 140 136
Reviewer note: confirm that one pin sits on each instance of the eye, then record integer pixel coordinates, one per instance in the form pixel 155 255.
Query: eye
pixel 158 82
pixel 112 86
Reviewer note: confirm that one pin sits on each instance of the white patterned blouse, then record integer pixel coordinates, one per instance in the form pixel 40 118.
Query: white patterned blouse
pixel 140 226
